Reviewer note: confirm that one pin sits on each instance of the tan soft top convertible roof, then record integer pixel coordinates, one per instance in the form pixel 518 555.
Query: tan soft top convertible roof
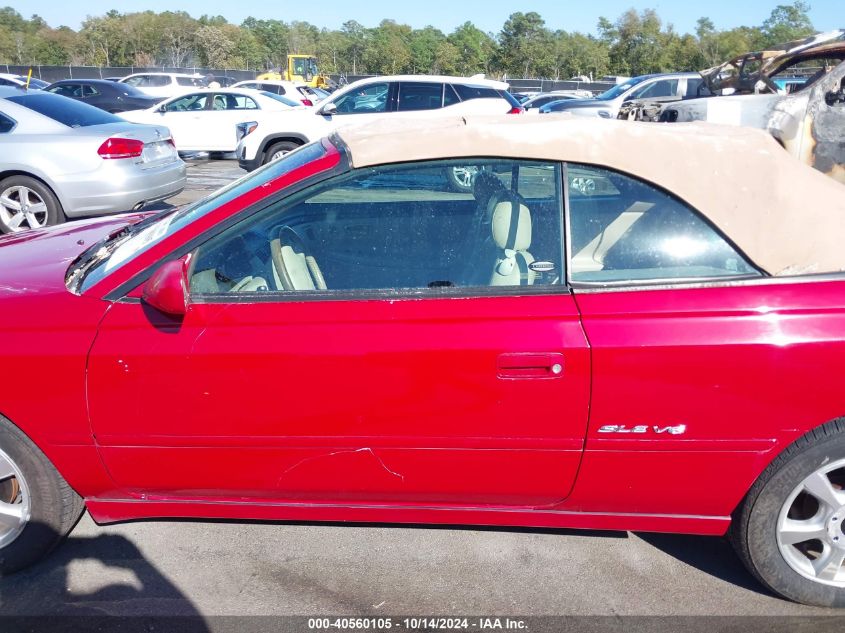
pixel 787 217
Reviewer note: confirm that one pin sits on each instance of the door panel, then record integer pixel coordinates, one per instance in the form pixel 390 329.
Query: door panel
pixel 326 401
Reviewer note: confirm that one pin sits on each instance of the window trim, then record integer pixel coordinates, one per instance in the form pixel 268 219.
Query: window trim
pixel 562 287
pixel 661 282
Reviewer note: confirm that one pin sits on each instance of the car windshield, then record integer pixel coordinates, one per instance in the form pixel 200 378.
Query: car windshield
pixel 280 98
pixel 63 110
pixel 127 243
pixel 619 89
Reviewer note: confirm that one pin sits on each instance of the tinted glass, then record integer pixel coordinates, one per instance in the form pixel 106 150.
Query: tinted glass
pixel 6 124
pixel 476 92
pixel 697 88
pixel 66 90
pixel 624 229
pixel 662 88
pixel 281 99
pixel 420 96
pixel 364 100
pixel 188 81
pixel 394 228
pixel 450 97
pixel 65 111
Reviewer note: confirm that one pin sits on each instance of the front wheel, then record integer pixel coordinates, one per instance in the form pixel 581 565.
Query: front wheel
pixel 277 150
pixel 790 530
pixel 37 506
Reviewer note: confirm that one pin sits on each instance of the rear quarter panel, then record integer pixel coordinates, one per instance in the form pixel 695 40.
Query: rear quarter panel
pixel 747 368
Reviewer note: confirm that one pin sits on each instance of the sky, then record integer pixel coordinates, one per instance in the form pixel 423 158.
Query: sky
pixel 488 15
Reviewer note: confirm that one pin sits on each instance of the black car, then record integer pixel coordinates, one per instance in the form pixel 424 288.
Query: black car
pixel 104 94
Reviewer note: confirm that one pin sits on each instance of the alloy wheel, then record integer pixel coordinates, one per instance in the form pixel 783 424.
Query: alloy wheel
pixel 14 501
pixel 22 208
pixel 811 523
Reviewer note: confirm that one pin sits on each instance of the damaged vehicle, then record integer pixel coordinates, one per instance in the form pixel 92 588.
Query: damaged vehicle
pixel 807 118
pixel 585 339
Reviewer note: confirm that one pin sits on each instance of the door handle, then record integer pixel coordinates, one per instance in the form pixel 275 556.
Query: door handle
pixel 530 365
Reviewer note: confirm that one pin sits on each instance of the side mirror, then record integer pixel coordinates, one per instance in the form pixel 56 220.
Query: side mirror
pixel 167 289
pixel 329 109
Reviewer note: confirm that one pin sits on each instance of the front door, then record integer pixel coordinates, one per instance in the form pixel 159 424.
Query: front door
pixel 377 338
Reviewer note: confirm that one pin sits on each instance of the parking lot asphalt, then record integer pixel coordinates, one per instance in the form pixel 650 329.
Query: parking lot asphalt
pixel 230 568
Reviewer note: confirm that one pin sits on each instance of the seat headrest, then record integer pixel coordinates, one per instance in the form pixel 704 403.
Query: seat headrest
pixel 512 225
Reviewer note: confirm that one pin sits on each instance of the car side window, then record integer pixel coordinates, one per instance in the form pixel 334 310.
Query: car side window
pixel 450 97
pixel 697 88
pixel 661 88
pixel 398 228
pixel 416 95
pixel 89 91
pixel 188 103
pixel 625 229
pixel 364 100
pixel 158 81
pixel 66 90
pixel 7 124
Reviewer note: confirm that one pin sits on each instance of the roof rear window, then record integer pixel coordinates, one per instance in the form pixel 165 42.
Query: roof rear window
pixel 466 93
pixel 63 110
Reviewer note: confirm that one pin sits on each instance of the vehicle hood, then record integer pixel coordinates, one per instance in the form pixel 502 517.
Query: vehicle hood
pixel 730 75
pixel 35 262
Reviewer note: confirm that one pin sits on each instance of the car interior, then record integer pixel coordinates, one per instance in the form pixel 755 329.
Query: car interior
pixel 372 233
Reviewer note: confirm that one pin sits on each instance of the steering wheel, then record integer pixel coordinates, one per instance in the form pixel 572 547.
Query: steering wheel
pixel 296 267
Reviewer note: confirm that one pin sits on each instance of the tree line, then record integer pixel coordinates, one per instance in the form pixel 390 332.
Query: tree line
pixel 635 43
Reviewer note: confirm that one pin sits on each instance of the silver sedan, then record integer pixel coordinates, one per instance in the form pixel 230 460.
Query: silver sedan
pixel 62 159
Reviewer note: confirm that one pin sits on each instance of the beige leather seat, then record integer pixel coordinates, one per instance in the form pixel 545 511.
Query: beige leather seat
pixel 293 267
pixel 511 225
pixel 206 282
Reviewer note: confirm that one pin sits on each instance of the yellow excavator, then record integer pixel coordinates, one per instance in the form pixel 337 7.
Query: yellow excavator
pixel 302 68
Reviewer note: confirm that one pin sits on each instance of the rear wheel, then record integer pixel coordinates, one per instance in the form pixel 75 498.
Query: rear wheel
pixel 277 150
pixel 27 203
pixel 789 530
pixel 37 507
pixel 462 177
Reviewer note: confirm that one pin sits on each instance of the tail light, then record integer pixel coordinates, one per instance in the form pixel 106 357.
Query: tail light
pixel 516 110
pixel 116 147
pixel 307 102
pixel 171 141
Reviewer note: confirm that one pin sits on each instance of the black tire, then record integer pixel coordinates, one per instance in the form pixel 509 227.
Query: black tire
pixel 55 508
pixel 754 531
pixel 275 148
pixel 54 213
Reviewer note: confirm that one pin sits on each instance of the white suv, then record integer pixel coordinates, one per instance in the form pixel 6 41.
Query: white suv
pixel 368 100
pixel 164 85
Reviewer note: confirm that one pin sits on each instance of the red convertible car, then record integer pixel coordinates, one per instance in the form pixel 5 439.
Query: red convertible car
pixel 627 327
